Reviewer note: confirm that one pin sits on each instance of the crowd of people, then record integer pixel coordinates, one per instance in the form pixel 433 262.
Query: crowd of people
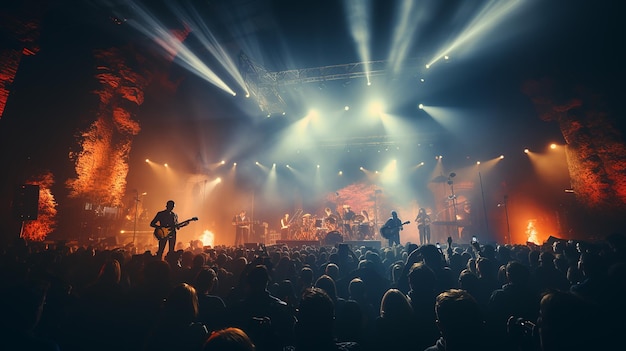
pixel 566 295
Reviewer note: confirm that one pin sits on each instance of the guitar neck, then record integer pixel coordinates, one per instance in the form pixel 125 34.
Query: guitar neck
pixel 185 222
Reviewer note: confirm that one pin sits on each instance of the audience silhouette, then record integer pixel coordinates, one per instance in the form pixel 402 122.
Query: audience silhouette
pixel 566 295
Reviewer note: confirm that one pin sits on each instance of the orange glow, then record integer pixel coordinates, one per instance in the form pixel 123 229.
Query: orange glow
pixel 38 230
pixel 207 238
pixel 531 232
pixel 552 146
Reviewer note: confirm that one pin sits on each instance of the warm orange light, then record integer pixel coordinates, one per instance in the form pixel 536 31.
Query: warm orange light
pixel 526 151
pixel 531 232
pixel 147 161
pixel 552 146
pixel 207 238
pixel 166 165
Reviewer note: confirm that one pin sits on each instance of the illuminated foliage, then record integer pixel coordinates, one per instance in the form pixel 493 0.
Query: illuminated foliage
pixel 102 163
pixel 596 153
pixel 38 230
pixel 360 196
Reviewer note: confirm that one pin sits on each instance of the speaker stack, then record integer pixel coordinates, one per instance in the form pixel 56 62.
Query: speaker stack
pixel 26 202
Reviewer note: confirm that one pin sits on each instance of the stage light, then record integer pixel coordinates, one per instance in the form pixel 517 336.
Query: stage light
pixel 234 164
pixel 219 180
pixel 346 108
pixel 376 172
pixel 361 168
pixel 446 57
pixel 247 95
pixel 376 108
pixel 273 165
pixel 284 113
pixel 421 106
pixel 147 161
pixel 223 162
pixel 257 163
pixel 501 157
pixel 477 162
pixel 269 115
pixel 552 146
pixel 318 166
pixel 421 163
pixel 165 165
pixel 234 94
pixel 340 172
pixel 427 66
pixel 422 80
pixel 287 166
pixel 526 151
pixel 313 114
pixel 369 83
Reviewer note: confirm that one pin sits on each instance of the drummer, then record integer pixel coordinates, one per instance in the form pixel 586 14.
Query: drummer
pixel 348 216
pixel 364 217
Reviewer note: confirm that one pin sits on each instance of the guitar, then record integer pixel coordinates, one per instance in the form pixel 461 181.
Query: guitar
pixel 166 232
pixel 422 222
pixel 386 232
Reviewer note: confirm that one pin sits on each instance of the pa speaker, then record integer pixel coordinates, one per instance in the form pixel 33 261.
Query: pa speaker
pixel 26 202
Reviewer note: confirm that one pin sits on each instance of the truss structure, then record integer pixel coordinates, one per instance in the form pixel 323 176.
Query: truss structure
pixel 264 85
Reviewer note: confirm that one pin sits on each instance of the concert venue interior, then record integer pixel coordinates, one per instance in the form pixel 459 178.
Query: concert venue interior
pixel 500 118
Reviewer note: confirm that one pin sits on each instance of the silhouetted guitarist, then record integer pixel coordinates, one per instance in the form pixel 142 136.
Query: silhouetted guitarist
pixel 242 228
pixel 166 219
pixel 391 229
pixel 423 226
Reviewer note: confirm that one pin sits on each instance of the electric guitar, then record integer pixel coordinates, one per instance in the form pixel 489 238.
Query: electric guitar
pixel 166 232
pixel 386 232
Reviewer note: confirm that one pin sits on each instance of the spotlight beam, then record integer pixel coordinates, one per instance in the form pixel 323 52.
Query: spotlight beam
pixel 146 23
pixel 493 13
pixel 208 40
pixel 358 19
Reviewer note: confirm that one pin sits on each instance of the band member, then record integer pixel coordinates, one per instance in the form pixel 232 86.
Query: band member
pixel 284 227
pixel 166 219
pixel 423 226
pixel 366 216
pixel 242 228
pixel 392 228
pixel 347 217
pixel 328 211
pixel 330 221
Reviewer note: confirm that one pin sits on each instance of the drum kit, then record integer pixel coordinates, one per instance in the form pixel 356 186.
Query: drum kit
pixel 310 227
